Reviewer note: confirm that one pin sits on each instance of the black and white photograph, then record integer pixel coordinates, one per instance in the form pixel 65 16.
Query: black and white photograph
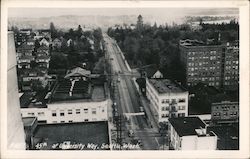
pixel 126 78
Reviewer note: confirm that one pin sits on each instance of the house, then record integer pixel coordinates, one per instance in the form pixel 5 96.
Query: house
pixel 25 61
pixel 45 32
pixel 30 42
pixel 151 72
pixel 26 31
pixel 190 133
pixel 43 61
pixel 25 49
pixel 69 42
pixel 57 43
pixel 168 99
pixel 43 48
pixel 32 76
pixel 44 42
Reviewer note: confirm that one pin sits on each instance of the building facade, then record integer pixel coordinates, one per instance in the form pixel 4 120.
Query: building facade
pixel 202 62
pixel 190 133
pixel 68 112
pixel 231 67
pixel 225 112
pixel 15 129
pixel 167 98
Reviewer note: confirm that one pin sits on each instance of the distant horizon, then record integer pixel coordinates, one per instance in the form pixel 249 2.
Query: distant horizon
pixel 177 12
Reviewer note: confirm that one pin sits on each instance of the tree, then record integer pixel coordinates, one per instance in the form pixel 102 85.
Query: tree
pixel 37 44
pixel 79 31
pixel 53 31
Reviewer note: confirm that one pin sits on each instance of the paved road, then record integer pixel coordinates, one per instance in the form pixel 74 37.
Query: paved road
pixel 129 100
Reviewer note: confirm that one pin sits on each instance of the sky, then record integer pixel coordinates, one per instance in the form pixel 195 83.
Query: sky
pixel 174 12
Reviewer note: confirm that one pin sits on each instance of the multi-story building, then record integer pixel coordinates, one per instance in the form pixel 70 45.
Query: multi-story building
pixel 190 133
pixel 15 131
pixel 167 98
pixel 202 62
pixel 231 67
pixel 71 101
pixel 225 112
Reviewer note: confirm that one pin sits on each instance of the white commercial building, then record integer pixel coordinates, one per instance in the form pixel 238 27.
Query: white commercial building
pixel 168 99
pixel 70 111
pixel 71 100
pixel 190 133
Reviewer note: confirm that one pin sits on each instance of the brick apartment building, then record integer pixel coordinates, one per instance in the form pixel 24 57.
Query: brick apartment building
pixel 231 67
pixel 202 62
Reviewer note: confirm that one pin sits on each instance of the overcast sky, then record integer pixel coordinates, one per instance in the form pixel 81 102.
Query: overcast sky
pixel 47 12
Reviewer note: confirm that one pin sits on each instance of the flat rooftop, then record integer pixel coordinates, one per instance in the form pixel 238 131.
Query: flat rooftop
pixel 79 90
pixel 185 126
pixel 228 136
pixel 166 86
pixel 190 43
pixel 75 133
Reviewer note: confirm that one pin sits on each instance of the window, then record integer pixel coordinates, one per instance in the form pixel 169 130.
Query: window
pixel 78 111
pixel 70 111
pixel 93 110
pixel 53 113
pixel 182 100
pixel 54 121
pixel 31 114
pixel 86 119
pixel 103 110
pixel 61 113
pixel 40 113
pixel 85 111
pixel 70 121
pixel 62 121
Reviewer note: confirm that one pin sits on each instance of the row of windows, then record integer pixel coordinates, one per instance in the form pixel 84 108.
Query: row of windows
pixel 202 53
pixel 71 121
pixel 232 62
pixel 181 100
pixel 217 114
pixel 191 69
pixel 231 77
pixel 77 111
pixel 226 107
pixel 173 108
pixel 231 83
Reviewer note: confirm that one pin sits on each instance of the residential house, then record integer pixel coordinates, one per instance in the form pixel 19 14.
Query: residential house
pixel 30 42
pixel 69 42
pixel 25 61
pixel 25 49
pixel 43 61
pixel 42 49
pixel 44 42
pixel 32 76
pixel 190 133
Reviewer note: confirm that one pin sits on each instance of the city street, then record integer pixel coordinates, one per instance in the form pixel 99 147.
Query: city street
pixel 129 101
